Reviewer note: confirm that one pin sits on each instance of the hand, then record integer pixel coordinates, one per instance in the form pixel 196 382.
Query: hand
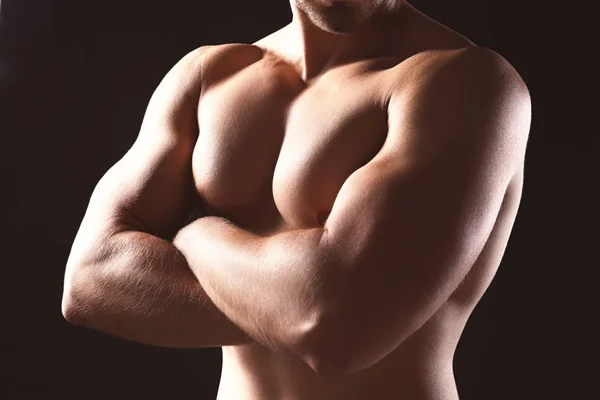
pixel 194 231
pixel 179 239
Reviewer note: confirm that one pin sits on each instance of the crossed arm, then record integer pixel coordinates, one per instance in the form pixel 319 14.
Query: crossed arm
pixel 402 234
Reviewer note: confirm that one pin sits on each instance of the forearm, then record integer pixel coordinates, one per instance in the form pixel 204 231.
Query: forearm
pixel 268 286
pixel 143 290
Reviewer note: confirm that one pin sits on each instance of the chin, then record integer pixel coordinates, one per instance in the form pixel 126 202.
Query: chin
pixel 339 16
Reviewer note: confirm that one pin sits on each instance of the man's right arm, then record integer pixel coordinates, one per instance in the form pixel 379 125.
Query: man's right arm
pixel 124 276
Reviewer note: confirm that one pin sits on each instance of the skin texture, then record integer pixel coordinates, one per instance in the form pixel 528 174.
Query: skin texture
pixel 353 195
pixel 340 17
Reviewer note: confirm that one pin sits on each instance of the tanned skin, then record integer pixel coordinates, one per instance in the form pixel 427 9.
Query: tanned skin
pixel 327 204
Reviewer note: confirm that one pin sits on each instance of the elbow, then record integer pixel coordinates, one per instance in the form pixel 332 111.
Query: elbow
pixel 337 358
pixel 70 311
pixel 336 350
pixel 328 368
pixel 74 304
pixel 330 360
pixel 346 350
pixel 87 281
pixel 328 353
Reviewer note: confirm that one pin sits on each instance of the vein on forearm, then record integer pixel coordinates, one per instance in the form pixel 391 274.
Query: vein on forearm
pixel 269 286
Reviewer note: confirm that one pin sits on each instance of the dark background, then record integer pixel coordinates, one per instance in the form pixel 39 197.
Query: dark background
pixel 75 78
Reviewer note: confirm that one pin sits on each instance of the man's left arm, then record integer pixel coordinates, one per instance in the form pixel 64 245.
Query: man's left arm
pixel 402 234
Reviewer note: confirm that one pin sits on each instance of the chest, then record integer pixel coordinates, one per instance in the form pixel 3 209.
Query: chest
pixel 272 152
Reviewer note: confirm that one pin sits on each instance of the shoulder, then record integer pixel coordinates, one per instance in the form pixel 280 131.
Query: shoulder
pixel 482 68
pixel 210 63
pixel 214 53
pixel 471 94
pixel 218 62
pixel 470 71
pixel 473 82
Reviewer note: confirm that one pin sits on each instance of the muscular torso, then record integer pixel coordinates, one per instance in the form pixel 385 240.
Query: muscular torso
pixel 272 154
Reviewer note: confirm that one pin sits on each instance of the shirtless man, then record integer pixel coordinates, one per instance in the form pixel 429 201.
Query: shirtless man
pixel 328 205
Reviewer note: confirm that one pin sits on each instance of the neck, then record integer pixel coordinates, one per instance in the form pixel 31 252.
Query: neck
pixel 317 50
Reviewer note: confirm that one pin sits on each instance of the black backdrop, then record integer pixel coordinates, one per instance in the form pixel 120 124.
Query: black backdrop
pixel 75 78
